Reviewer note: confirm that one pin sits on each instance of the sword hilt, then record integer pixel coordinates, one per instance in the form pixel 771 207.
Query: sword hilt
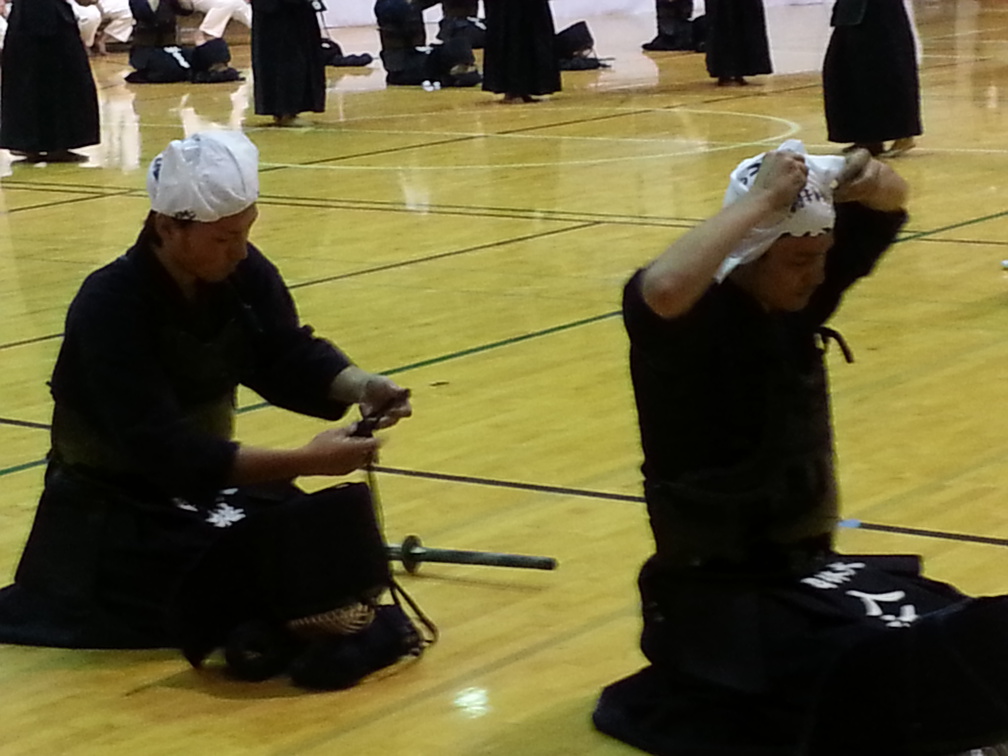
pixel 412 552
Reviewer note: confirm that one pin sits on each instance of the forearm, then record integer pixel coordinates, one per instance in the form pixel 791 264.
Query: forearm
pixel 674 282
pixel 349 385
pixel 260 465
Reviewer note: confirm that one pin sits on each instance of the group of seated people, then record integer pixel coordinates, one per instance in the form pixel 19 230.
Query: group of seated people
pixel 102 22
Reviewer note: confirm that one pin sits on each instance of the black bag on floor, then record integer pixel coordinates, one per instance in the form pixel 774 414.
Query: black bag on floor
pixel 575 49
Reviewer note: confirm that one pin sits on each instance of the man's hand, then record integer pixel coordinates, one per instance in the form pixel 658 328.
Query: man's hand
pixel 781 176
pixel 870 182
pixel 336 452
pixel 384 395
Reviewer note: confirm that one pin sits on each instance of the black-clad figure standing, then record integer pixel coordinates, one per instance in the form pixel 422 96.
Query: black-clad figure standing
pixel 737 43
pixel 520 61
pixel 48 101
pixel 287 62
pixel 871 88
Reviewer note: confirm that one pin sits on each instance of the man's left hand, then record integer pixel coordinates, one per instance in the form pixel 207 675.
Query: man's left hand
pixel 871 183
pixel 385 396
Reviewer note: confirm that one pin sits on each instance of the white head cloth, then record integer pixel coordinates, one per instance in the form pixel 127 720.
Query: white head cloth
pixel 205 177
pixel 811 214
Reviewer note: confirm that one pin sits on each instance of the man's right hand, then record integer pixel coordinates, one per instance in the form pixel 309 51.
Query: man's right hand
pixel 335 451
pixel 781 176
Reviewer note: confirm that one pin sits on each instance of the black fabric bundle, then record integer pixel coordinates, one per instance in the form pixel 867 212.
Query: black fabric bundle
pixel 299 559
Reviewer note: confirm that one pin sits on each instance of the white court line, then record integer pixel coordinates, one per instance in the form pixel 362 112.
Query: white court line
pixel 695 147
pixel 970 33
pixel 540 108
pixel 706 149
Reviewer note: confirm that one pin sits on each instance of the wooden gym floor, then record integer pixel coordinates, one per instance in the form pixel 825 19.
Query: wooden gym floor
pixel 477 252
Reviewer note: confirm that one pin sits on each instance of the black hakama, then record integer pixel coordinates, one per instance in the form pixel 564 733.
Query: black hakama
pixel 137 484
pixel 520 57
pixel 737 39
pixel 870 83
pixel 288 68
pixel 48 100
pixel 862 655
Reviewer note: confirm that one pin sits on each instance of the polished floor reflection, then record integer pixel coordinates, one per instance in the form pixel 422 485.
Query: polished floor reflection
pixel 477 251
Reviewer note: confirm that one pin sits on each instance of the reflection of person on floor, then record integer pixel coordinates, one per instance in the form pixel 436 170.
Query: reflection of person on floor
pixel 871 88
pixel 761 638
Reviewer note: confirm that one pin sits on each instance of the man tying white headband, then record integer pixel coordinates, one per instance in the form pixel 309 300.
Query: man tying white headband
pixel 742 619
pixel 779 202
pixel 811 214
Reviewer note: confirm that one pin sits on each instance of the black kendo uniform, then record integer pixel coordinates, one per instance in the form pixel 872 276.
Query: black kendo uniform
pixel 157 58
pixel 156 26
pixel 405 55
pixel 760 637
pixel 871 88
pixel 461 17
pixel 520 54
pixel 401 30
pixel 48 100
pixel 288 62
pixel 675 29
pixel 144 389
pixel 737 42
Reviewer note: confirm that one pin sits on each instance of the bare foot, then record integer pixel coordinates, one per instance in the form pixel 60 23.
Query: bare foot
pixel 514 99
pixel 902 145
pixel 286 121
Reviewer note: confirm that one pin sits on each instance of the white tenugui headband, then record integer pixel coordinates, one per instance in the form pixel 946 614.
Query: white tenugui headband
pixel 205 177
pixel 811 214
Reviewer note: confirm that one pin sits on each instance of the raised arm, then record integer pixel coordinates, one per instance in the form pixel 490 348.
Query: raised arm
pixel 871 183
pixel 676 280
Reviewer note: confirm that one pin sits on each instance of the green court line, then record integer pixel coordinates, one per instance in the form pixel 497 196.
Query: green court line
pixel 537 334
pixel 472 350
pixel 22 467
pixel 953 226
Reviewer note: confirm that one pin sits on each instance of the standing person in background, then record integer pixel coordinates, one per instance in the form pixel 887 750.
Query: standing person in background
pixel 287 64
pixel 737 43
pixel 871 88
pixel 675 29
pixel 48 101
pixel 519 60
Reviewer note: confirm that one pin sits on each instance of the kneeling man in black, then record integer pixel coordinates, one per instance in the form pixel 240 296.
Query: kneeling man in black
pixel 761 638
pixel 146 486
